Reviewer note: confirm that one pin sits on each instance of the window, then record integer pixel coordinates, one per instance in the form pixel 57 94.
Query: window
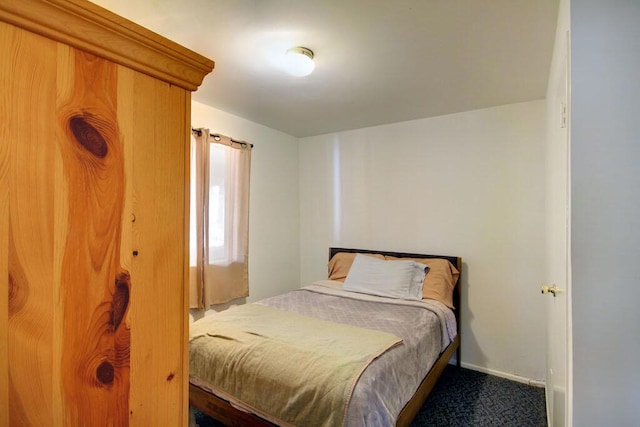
pixel 219 219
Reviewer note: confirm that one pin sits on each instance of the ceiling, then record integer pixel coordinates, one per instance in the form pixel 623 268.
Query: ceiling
pixel 377 61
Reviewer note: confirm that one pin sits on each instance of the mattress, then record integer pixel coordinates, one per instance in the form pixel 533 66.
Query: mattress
pixel 426 327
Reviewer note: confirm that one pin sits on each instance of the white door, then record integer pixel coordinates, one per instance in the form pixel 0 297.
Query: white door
pixel 558 245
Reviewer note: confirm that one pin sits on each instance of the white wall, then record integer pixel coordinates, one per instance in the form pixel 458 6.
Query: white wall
pixel 468 184
pixel 605 174
pixel 274 252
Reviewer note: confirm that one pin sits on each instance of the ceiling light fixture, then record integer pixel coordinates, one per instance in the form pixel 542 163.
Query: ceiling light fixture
pixel 299 61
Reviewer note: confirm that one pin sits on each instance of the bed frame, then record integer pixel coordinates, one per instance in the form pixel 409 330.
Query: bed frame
pixel 225 413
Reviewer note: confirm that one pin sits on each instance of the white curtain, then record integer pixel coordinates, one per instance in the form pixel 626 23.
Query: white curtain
pixel 220 173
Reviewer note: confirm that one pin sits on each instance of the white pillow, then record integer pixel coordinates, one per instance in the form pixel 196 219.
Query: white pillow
pixel 393 279
pixel 419 273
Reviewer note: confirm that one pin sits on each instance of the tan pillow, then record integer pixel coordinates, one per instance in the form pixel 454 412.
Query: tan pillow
pixel 439 281
pixel 341 262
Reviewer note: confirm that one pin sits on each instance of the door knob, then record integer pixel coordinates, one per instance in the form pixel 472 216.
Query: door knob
pixel 553 289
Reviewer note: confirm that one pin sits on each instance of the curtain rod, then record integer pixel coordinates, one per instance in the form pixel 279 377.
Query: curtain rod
pixel 215 135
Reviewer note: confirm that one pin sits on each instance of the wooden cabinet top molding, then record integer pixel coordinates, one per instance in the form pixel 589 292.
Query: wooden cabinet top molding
pixel 89 27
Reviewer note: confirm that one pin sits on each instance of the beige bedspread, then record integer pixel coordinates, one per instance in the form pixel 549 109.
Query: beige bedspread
pixel 276 363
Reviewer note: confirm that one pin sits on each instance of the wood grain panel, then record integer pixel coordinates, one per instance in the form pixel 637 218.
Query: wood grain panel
pixel 31 67
pixel 158 141
pixel 86 26
pixel 95 289
pixel 6 71
pixel 185 248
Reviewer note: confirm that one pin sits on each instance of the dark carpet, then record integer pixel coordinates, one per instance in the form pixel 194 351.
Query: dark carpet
pixel 464 398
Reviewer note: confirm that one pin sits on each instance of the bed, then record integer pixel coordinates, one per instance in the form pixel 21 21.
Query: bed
pixel 389 389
